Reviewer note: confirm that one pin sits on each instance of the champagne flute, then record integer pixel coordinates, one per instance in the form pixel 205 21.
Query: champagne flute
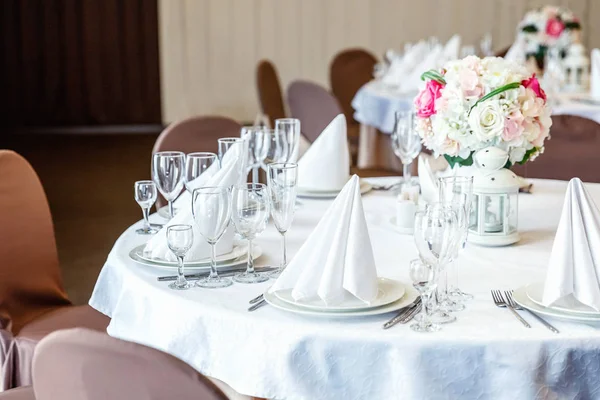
pixel 424 277
pixel 406 142
pixel 282 179
pixel 250 204
pixel 180 239
pixel 167 172
pixel 256 148
pixel 211 208
pixel 145 196
pixel 289 129
pixel 199 167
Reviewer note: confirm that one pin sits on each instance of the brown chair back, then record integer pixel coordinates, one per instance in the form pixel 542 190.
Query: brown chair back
pixel 195 134
pixel 571 151
pixel 270 96
pixel 79 364
pixel 30 279
pixel 313 105
pixel 349 71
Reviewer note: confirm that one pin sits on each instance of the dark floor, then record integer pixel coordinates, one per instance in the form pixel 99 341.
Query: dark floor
pixel 89 183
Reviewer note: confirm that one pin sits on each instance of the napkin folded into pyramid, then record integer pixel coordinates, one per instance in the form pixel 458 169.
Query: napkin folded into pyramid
pixel 336 261
pixel 326 164
pixel 427 180
pixel 574 267
pixel 595 74
pixel 433 60
pixel 516 52
pixel 231 172
pixel 452 49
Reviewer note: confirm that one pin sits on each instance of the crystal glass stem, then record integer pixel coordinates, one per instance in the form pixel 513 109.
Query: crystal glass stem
pixel 284 252
pixel 250 267
pixel 255 174
pixel 213 261
pixel 171 209
pixel 180 277
pixel 406 173
pixel 146 212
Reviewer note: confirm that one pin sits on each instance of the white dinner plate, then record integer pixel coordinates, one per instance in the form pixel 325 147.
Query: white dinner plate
pixel 222 266
pixel 365 187
pixel 410 295
pixel 390 290
pixel 521 298
pixel 237 251
pixel 535 292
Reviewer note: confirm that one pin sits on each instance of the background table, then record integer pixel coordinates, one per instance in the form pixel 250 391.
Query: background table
pixel 486 354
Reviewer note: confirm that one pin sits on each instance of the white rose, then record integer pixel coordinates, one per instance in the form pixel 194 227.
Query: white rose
pixel 516 155
pixel 487 120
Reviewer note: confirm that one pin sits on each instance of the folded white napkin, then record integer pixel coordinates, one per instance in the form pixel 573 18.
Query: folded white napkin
pixel 574 267
pixel 401 67
pixel 336 261
pixel 595 74
pixel 427 180
pixel 433 60
pixel 232 172
pixel 326 163
pixel 451 49
pixel 303 146
pixel 516 52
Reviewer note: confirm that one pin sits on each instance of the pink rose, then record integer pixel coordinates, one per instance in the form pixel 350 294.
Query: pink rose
pixel 533 84
pixel 554 28
pixel 512 129
pixel 425 101
pixel 469 83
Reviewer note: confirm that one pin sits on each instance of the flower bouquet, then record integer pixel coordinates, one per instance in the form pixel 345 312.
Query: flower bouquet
pixel 476 103
pixel 546 27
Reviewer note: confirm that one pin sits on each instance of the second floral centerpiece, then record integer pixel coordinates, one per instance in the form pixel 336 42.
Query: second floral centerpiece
pixel 476 103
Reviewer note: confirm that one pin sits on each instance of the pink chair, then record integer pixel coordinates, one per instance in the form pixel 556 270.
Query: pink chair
pixel 313 105
pixel 81 364
pixel 195 134
pixel 33 301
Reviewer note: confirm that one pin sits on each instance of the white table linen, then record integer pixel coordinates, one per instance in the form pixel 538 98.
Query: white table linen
pixel 486 354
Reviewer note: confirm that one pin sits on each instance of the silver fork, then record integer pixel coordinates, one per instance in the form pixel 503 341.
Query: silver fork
pixel 499 300
pixel 514 305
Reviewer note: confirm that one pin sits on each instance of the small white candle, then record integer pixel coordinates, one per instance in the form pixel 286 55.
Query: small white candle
pixel 405 213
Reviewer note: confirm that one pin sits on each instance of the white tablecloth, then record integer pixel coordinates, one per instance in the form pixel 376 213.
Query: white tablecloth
pixel 486 354
pixel 375 105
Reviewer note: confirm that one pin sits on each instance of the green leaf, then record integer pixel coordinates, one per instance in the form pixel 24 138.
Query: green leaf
pixel 530 29
pixel 572 25
pixel 528 155
pixel 510 86
pixel 456 160
pixel 434 76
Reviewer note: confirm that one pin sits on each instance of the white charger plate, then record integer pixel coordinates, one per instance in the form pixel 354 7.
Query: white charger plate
pixel 389 291
pixel 365 187
pixel 237 251
pixel 535 292
pixel 409 296
pixel 221 266
pixel 521 298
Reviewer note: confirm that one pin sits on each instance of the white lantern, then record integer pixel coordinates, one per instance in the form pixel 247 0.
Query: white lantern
pixel 495 206
pixel 577 68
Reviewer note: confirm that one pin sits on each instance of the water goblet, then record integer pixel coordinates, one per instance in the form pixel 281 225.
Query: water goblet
pixel 276 148
pixel 180 239
pixel 458 191
pixel 256 148
pixel 424 277
pixel 199 167
pixel 250 213
pixel 289 129
pixel 145 195
pixel 211 208
pixel 282 180
pixel 434 234
pixel 406 142
pixel 167 172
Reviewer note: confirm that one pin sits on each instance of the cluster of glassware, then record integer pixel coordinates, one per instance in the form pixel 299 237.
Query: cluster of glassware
pixel 246 205
pixel 440 236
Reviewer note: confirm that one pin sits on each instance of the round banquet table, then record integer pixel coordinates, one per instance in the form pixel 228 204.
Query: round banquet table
pixel 486 354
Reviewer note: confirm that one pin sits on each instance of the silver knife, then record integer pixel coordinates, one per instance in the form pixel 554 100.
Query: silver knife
pixel 200 275
pixel 403 313
pixel 258 305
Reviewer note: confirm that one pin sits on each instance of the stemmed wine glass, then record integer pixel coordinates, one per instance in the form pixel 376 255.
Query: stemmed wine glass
pixel 424 277
pixel 276 148
pixel 180 239
pixel 211 208
pixel 250 204
pixel 458 192
pixel 167 172
pixel 145 196
pixel 434 233
pixel 289 129
pixel 200 164
pixel 282 180
pixel 406 141
pixel 256 148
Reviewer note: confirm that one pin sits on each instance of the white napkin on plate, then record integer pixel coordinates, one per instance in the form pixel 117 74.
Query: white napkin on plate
pixel 231 173
pixel 452 49
pixel 516 52
pixel 595 74
pixel 336 260
pixel 427 180
pixel 401 67
pixel 326 163
pixel 574 267
pixel 433 60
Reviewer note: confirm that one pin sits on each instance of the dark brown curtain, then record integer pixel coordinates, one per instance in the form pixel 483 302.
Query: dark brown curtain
pixel 79 62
